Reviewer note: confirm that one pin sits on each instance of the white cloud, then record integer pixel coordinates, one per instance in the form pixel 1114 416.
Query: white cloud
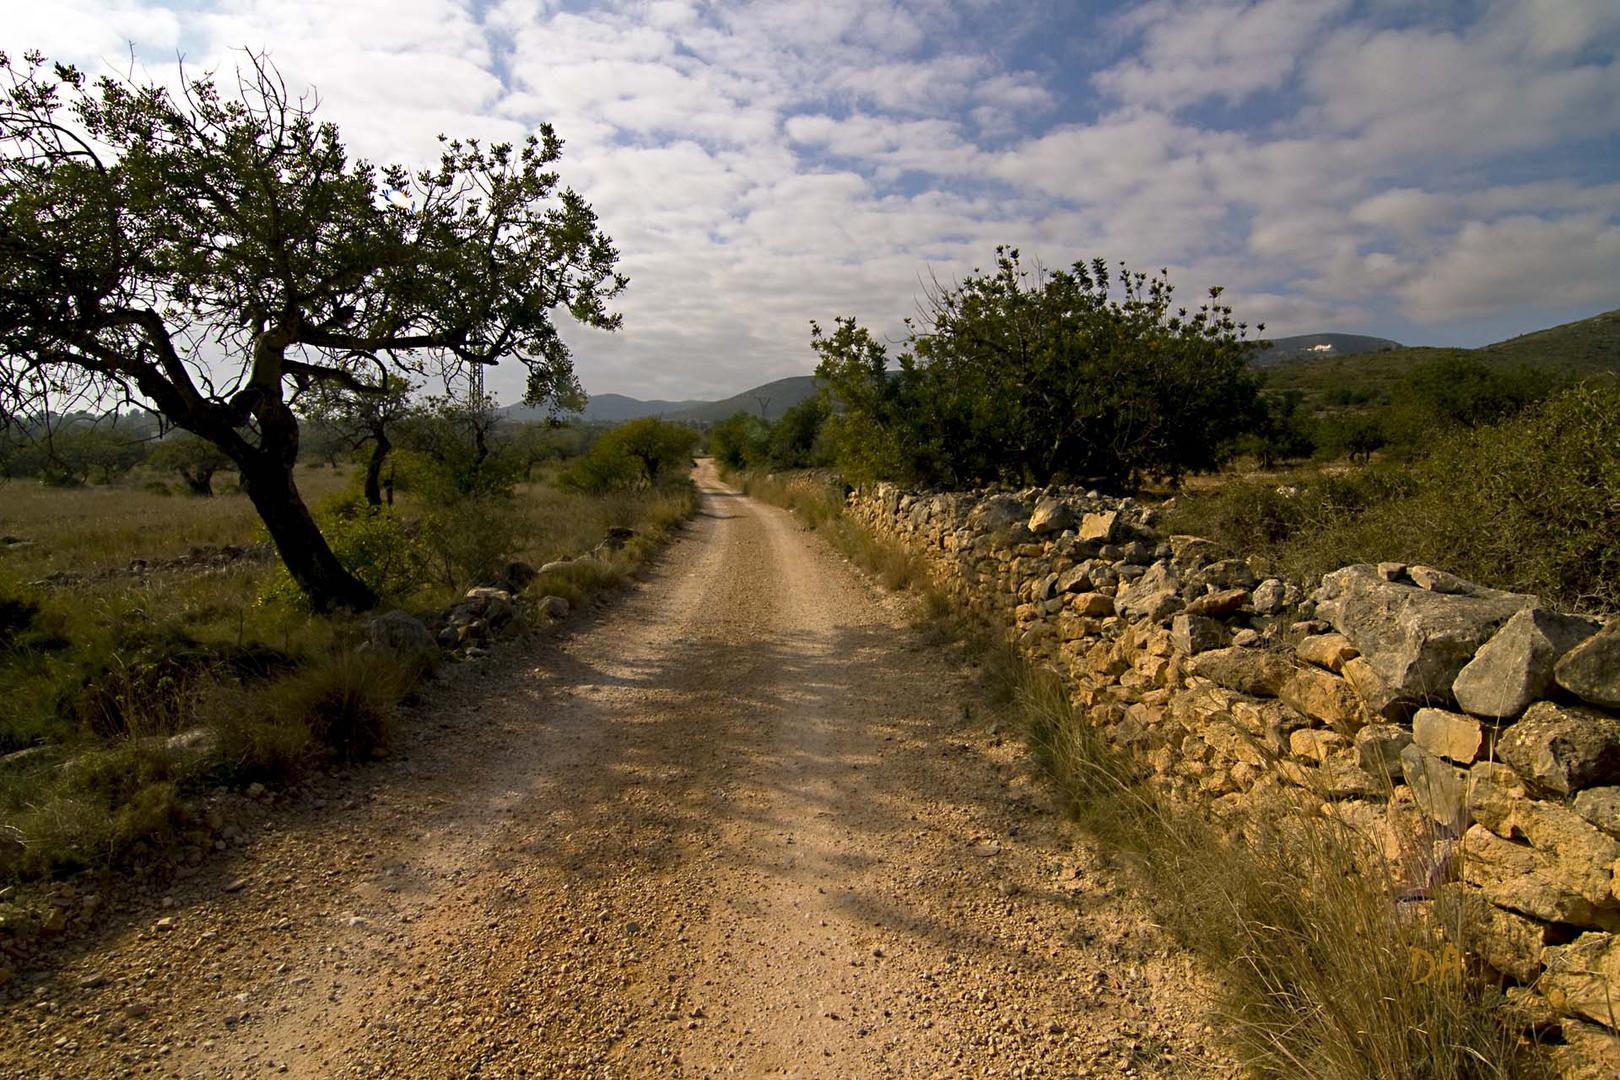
pixel 763 163
pixel 1567 263
pixel 1226 49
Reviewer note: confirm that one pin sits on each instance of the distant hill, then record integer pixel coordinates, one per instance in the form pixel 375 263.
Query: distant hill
pixel 770 401
pixel 1318 346
pixel 1563 354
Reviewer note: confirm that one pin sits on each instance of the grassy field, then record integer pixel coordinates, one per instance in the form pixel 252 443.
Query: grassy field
pixel 122 692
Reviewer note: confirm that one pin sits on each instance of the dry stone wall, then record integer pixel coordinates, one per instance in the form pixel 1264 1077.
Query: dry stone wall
pixel 1473 733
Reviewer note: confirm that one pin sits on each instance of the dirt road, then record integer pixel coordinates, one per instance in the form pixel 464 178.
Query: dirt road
pixel 745 823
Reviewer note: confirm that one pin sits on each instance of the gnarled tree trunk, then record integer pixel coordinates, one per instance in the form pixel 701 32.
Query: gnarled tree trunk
pixel 303 549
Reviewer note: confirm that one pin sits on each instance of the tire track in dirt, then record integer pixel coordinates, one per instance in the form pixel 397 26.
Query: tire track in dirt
pixel 743 824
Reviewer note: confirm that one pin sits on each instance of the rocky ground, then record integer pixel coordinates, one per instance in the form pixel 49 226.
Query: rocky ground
pixel 747 823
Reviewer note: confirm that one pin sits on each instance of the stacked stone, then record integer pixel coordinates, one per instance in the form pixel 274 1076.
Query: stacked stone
pixel 1472 733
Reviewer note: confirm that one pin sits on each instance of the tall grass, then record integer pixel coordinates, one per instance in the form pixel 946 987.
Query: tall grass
pixel 1325 974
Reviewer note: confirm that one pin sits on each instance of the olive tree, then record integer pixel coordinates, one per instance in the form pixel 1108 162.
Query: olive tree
pixel 211 254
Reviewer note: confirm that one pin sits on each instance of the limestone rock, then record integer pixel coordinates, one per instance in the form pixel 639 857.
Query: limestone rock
pixel 553 607
pixel 1154 596
pixel 1448 734
pixel 1515 666
pixel 1255 672
pixel 1562 749
pixel 1517 877
pixel 1583 978
pixel 1600 806
pixel 1193 634
pixel 1323 697
pixel 1591 670
pixel 1268 596
pixel 1427 577
pixel 1193 550
pixel 1377 696
pixel 1582 856
pixel 400 633
pixel 1218 604
pixel 1329 651
pixel 1590 1052
pixel 1509 942
pixel 1051 516
pixel 1092 605
pixel 996 512
pixel 1316 744
pixel 1225 574
pixel 1102 528
pixel 1416 640
pixel 1379 747
pixel 1438 788
pixel 1494 790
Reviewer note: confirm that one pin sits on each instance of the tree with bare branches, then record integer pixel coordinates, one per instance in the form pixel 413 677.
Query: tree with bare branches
pixel 209 257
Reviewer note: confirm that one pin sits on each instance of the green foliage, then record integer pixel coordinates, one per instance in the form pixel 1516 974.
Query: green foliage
pixel 449 451
pixel 1281 431
pixel 645 451
pixel 796 439
pixel 1028 376
pixel 471 539
pixel 373 543
pixel 740 441
pixel 1530 504
pixel 194 460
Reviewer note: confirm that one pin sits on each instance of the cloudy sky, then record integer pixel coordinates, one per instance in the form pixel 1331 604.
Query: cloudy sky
pixel 1440 173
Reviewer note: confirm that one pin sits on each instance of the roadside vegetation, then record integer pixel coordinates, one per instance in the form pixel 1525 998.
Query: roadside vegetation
pixel 1294 912
pixel 152 648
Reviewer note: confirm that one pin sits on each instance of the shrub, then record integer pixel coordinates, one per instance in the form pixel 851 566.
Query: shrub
pixel 341 708
pixel 470 540
pixel 372 543
pixel 1530 504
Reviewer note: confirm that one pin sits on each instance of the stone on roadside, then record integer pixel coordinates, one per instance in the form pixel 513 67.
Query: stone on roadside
pixel 399 633
pixel 553 607
pixel 1600 806
pixel 1448 734
pixel 1515 667
pixel 1582 977
pixel 1268 596
pixel 1439 788
pixel 1416 640
pixel 1217 604
pixel 1102 528
pixel 1329 651
pixel 1051 516
pixel 1153 596
pixel 1324 698
pixel 1379 748
pixel 1193 550
pixel 1563 748
pixel 1193 634
pixel 1256 672
pixel 1591 670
